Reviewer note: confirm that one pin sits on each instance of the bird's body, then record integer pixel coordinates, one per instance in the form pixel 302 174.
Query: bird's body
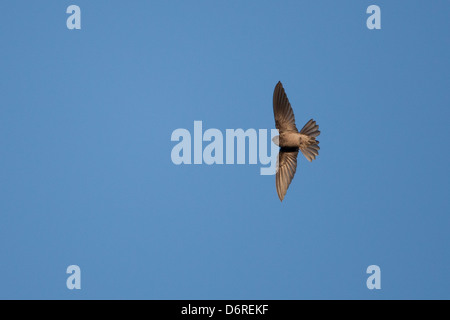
pixel 290 140
pixel 294 140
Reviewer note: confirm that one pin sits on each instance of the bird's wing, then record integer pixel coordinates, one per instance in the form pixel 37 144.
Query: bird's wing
pixel 286 167
pixel 284 116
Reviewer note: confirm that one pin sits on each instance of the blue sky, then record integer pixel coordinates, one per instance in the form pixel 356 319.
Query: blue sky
pixel 86 175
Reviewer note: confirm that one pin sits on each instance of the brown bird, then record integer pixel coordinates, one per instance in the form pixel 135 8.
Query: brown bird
pixel 290 140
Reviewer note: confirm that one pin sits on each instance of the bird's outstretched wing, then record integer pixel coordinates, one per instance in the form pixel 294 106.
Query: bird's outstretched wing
pixel 286 168
pixel 284 116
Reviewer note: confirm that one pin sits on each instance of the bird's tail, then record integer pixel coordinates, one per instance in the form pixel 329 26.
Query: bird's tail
pixel 311 129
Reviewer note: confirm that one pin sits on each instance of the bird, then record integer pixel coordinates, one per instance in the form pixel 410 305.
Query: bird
pixel 290 140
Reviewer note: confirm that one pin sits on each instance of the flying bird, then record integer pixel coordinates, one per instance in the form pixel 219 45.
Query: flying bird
pixel 290 140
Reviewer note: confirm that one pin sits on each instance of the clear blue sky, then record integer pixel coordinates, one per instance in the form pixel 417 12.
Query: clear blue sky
pixel 86 176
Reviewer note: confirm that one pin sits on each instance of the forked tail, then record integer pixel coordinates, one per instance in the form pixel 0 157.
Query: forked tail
pixel 311 129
